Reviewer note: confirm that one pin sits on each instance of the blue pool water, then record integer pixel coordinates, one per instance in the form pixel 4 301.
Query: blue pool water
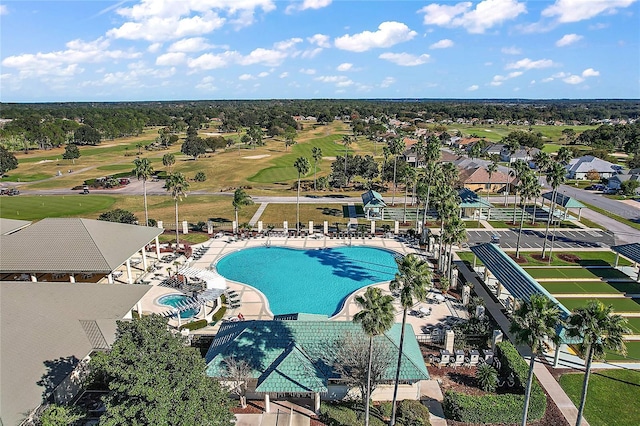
pixel 173 300
pixel 310 281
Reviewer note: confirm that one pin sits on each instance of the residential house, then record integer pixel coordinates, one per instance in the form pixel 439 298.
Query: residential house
pixel 524 154
pixel 476 179
pixel 293 355
pixel 578 168
pixel 615 182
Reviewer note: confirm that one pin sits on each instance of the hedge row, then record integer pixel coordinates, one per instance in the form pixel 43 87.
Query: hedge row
pixel 195 325
pixel 503 408
pixel 410 413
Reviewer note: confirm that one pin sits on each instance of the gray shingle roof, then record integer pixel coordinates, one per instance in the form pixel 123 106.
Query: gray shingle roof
pixel 11 225
pixel 52 324
pixel 72 245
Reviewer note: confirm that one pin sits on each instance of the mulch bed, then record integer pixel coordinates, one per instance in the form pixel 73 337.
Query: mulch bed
pixel 520 260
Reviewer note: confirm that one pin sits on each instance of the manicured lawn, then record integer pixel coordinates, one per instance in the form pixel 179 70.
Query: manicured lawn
pixel 612 397
pixel 619 304
pixel 37 207
pixel 586 258
pixel 633 353
pixel 277 213
pixel 631 287
pixel 634 324
pixel 574 273
pixel 575 287
pixel 527 224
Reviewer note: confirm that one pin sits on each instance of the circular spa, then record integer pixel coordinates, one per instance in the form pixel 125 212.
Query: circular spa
pixel 313 281
pixel 174 301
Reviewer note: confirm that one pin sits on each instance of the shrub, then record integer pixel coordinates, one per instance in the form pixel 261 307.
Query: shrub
pixel 487 377
pixel 345 414
pixel 503 408
pixel 200 177
pixel 413 413
pixel 195 325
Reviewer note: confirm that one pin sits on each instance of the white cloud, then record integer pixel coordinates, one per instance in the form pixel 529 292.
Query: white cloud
pixel 511 50
pixel 287 44
pixel 389 33
pixel 405 59
pixel 4 10
pixel 528 64
pixel 578 10
pixel 268 57
pixel 499 79
pixel 66 62
pixel 487 14
pixel 338 80
pixel 162 29
pixel 442 44
pixel 154 47
pixel 263 74
pixel 194 44
pixel 171 59
pixel 311 53
pixel 207 84
pixel 573 79
pixel 284 75
pixel 590 72
pixel 309 71
pixel 388 81
pixel 568 39
pixel 473 88
pixel 320 39
pixel 345 66
pixel 308 4
pixel 209 61
pixel 245 77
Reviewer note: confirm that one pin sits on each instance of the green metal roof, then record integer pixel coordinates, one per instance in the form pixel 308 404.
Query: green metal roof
pixel 373 199
pixel 564 201
pixel 290 356
pixel 632 251
pixel 470 199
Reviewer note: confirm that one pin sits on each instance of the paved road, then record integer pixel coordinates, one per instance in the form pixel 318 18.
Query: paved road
pixel 598 200
pixel 534 239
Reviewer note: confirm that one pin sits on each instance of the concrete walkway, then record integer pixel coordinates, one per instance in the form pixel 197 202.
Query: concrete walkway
pixel 258 213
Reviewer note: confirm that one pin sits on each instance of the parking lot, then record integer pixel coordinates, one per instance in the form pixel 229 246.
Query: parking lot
pixel 533 239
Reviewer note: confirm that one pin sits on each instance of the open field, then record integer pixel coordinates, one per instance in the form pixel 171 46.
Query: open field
pixel 612 397
pixel 574 273
pixel 25 207
pixel 493 133
pixel 619 304
pixel 276 213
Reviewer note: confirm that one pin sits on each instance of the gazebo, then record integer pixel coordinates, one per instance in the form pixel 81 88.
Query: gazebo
pixel 565 202
pixel 471 202
pixel 374 205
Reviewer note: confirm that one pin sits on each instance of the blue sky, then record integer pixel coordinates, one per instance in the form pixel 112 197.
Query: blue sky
pixel 262 49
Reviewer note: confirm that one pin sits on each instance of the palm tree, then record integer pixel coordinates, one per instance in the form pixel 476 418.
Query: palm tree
pixel 520 167
pixel 528 188
pixel 177 186
pixel 409 174
pixel 534 324
pixel 556 176
pixel 600 329
pixel 433 171
pixel 564 155
pixel 543 162
pixel 143 170
pixel 302 165
pixel 413 279
pixel 512 147
pixel 168 160
pixel 454 234
pixel 491 169
pixel 347 141
pixel 395 148
pixel 240 199
pixel 316 154
pixel 376 317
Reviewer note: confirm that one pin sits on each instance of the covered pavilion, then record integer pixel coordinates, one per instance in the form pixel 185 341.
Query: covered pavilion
pixel 630 251
pixel 373 204
pixel 74 249
pixel 565 202
pixel 471 203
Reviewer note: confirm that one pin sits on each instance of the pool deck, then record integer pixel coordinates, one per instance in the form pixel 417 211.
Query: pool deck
pixel 254 304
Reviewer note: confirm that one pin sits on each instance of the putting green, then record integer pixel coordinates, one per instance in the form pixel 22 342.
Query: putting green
pixel 619 304
pixel 568 287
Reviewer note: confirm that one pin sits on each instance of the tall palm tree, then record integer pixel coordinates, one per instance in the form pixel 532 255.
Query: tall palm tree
pixel 302 165
pixel 520 167
pixel 491 169
pixel 528 188
pixel 413 279
pixel 395 148
pixel 600 329
pixel 512 147
pixel 454 233
pixel 347 141
pixel 564 155
pixel 316 154
pixel 240 199
pixel 543 162
pixel 177 185
pixel 534 324
pixel 556 176
pixel 433 172
pixel 376 317
pixel 143 170
pixel 409 175
pixel 168 160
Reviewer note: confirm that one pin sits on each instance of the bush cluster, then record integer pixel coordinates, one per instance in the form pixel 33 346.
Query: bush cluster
pixel 503 408
pixel 413 413
pixel 410 413
pixel 195 325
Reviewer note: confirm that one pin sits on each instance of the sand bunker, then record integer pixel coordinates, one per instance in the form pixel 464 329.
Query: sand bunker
pixel 45 161
pixel 257 157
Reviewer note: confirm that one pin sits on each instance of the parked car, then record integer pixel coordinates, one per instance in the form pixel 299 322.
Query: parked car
pixel 595 187
pixel 610 191
pixel 12 191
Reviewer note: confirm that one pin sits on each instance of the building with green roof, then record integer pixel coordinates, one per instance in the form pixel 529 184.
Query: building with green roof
pixel 373 205
pixel 290 356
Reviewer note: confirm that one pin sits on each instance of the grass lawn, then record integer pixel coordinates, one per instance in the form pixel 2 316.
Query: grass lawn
pixel 527 224
pixel 575 287
pixel 633 353
pixel 37 207
pixel 191 238
pixel 574 273
pixel 619 304
pixel 275 214
pixel 631 223
pixel 612 396
pixel 586 258
pixel 634 324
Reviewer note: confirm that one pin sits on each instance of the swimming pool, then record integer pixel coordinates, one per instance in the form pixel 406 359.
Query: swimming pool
pixel 311 281
pixel 173 300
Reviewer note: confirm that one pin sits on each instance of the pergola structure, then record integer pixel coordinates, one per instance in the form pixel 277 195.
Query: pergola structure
pixel 73 249
pixel 471 202
pixel 630 251
pixel 565 202
pixel 519 285
pixel 291 354
pixel 373 204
